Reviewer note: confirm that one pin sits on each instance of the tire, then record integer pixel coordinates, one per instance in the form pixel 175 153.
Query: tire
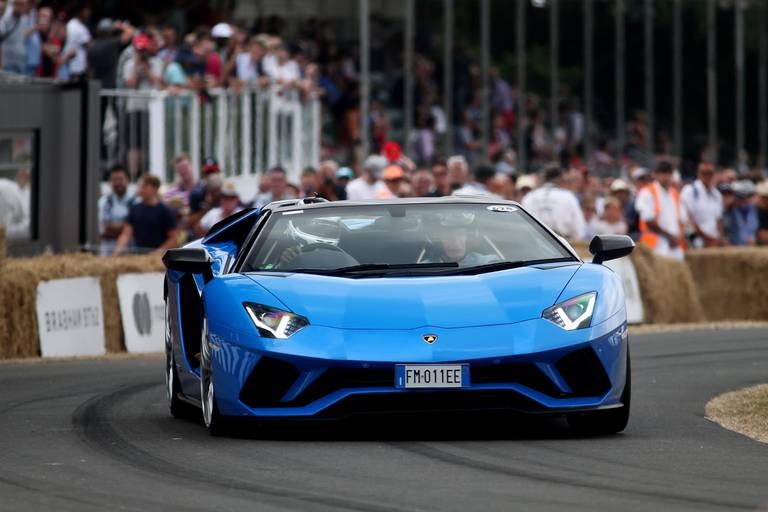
pixel 610 421
pixel 177 407
pixel 216 424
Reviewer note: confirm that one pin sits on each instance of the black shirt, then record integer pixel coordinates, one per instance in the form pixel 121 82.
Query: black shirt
pixel 150 224
pixel 103 56
pixel 197 198
pixel 762 218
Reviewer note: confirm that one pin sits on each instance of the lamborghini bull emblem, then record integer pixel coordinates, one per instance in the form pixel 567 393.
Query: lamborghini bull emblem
pixel 429 338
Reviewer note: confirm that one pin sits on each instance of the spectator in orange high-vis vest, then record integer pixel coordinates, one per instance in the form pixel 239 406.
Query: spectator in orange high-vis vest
pixel 662 219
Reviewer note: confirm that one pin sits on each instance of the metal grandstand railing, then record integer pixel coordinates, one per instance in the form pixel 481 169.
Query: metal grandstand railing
pixel 247 131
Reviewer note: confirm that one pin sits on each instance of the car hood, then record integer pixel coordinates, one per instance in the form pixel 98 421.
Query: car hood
pixel 411 302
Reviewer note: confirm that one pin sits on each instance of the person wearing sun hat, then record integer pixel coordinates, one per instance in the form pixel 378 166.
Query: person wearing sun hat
pixel 229 205
pixel 394 176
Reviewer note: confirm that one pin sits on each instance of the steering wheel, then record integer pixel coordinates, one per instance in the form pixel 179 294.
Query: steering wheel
pixel 317 246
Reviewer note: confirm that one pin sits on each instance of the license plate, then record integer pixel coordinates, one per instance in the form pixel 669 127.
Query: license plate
pixel 431 375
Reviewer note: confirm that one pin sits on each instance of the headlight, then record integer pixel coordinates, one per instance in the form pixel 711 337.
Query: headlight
pixel 275 323
pixel 575 313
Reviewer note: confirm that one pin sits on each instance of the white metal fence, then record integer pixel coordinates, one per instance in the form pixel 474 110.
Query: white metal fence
pixel 247 131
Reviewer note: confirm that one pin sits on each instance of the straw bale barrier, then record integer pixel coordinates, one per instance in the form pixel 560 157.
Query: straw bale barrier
pixel 667 287
pixel 726 284
pixel 732 282
pixel 19 278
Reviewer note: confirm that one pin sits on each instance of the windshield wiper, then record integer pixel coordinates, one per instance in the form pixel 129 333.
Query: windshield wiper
pixel 370 268
pixel 499 265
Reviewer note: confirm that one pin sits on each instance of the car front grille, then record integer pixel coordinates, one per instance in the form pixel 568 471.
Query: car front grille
pixel 431 401
pixel 271 379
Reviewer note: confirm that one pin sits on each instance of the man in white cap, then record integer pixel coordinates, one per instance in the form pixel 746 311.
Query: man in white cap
pixel 525 184
pixel 369 184
pixel 221 31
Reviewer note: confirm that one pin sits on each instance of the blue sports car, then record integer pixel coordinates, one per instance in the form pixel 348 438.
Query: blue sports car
pixel 312 309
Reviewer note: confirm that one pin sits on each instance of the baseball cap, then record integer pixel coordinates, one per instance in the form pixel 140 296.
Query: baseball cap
pixel 725 188
pixel 639 173
pixel 222 31
pixel 210 166
pixel 344 172
pixel 392 151
pixel 526 181
pixel 141 41
pixel 393 172
pixel 619 184
pixel 105 25
pixel 228 189
pixel 744 188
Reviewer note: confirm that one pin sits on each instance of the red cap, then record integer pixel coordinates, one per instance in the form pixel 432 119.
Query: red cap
pixel 392 151
pixel 210 166
pixel 141 41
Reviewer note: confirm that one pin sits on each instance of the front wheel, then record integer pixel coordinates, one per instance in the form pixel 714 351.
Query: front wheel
pixel 216 424
pixel 610 421
pixel 177 407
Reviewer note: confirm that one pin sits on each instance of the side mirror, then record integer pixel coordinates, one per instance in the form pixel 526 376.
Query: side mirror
pixel 191 261
pixel 610 247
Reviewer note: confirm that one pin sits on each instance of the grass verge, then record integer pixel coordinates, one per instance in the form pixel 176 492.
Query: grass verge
pixel 744 411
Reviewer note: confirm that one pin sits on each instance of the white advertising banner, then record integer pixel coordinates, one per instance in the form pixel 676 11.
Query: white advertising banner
pixel 70 317
pixel 626 271
pixel 143 311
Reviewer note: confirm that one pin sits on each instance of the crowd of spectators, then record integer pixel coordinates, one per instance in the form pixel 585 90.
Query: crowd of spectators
pixel 70 44
pixel 654 206
pixel 577 194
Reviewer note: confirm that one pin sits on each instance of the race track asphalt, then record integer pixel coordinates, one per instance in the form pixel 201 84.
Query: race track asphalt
pixel 96 435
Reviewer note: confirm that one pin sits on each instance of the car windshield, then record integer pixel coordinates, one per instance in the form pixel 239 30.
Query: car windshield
pixel 409 239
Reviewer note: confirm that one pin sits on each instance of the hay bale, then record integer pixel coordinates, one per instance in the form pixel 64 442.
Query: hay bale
pixel 667 287
pixel 3 245
pixel 18 295
pixel 732 282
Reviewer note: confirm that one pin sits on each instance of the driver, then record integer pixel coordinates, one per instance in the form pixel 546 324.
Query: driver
pixel 317 233
pixel 452 234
